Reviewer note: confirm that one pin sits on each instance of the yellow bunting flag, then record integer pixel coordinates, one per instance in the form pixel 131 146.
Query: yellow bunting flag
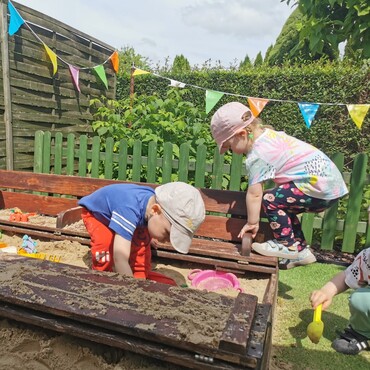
pixel 212 97
pixel 358 113
pixel 115 61
pixel 256 105
pixel 53 58
pixel 138 72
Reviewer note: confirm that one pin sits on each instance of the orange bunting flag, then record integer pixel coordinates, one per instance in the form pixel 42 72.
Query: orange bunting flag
pixel 212 97
pixel 358 113
pixel 115 61
pixel 138 72
pixel 53 58
pixel 256 105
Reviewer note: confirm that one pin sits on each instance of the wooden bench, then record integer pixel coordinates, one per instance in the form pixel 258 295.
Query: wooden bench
pixel 215 245
pixel 216 242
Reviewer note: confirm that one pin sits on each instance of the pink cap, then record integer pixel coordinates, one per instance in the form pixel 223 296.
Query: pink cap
pixel 228 120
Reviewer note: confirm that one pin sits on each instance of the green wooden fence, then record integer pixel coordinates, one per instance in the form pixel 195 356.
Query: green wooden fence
pixel 346 221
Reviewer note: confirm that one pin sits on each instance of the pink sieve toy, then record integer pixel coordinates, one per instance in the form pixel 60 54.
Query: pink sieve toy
pixel 214 280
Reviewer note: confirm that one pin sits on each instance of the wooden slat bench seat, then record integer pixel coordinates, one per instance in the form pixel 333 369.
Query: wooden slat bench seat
pixel 216 240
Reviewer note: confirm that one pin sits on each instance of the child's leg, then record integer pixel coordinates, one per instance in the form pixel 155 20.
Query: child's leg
pixel 282 204
pixel 101 242
pixel 141 258
pixel 356 337
pixel 359 305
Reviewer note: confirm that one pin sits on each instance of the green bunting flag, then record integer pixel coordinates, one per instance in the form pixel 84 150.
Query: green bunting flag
pixel 212 97
pixel 100 72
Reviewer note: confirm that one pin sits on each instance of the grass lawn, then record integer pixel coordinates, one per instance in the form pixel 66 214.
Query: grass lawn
pixel 292 349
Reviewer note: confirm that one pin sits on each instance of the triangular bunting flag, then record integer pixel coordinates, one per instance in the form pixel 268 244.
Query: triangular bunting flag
pixel 175 83
pixel 114 58
pixel 15 20
pixel 308 111
pixel 212 97
pixel 358 113
pixel 256 105
pixel 100 72
pixel 138 72
pixel 53 58
pixel 75 73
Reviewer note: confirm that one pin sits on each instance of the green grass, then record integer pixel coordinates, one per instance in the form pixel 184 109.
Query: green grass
pixel 291 347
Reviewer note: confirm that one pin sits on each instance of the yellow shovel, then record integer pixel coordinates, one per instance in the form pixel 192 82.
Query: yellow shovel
pixel 316 327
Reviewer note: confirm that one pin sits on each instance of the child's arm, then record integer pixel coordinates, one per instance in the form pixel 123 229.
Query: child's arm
pixel 253 201
pixel 325 295
pixel 121 255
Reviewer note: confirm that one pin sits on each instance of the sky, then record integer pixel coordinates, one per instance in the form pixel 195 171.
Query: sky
pixel 201 30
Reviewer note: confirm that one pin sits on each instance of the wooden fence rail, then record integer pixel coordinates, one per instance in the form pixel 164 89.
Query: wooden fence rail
pixel 346 221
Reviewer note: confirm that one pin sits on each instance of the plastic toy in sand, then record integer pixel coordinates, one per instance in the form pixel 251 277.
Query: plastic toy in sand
pixel 214 280
pixel 29 245
pixel 18 216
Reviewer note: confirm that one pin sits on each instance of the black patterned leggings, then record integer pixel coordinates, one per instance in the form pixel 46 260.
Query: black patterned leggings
pixel 282 205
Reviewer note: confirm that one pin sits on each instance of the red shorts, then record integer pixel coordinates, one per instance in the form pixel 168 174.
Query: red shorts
pixel 102 238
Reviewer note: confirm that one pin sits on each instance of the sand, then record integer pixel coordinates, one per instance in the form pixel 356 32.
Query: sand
pixel 27 347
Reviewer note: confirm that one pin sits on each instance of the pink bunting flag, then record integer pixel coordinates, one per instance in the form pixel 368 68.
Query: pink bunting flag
pixel 212 97
pixel 358 113
pixel 53 58
pixel 75 73
pixel 256 105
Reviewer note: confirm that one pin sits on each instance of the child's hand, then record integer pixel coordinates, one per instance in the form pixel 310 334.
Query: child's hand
pixel 249 228
pixel 320 296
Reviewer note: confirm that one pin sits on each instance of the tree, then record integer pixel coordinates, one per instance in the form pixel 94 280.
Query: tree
pixel 128 58
pixel 259 60
pixel 245 64
pixel 333 22
pixel 180 65
pixel 288 47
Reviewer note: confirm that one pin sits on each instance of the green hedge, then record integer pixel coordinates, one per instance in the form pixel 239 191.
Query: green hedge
pixel 337 83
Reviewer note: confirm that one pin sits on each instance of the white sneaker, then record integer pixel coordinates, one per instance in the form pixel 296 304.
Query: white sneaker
pixel 272 248
pixel 305 257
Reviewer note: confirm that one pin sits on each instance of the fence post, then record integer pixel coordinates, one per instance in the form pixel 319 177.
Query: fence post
pixel 38 150
pixel 200 166
pixel 358 177
pixel 330 218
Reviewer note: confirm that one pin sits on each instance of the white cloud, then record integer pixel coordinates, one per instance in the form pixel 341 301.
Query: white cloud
pixel 198 29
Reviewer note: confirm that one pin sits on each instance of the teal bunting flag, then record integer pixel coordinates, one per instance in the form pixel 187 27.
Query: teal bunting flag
pixel 308 111
pixel 16 20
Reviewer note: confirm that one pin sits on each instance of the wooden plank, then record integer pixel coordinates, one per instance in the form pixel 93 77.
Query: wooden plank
pixel 41 204
pixel 237 330
pixel 101 335
pixel 118 303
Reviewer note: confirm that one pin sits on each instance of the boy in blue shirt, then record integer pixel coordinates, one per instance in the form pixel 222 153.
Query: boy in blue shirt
pixel 123 218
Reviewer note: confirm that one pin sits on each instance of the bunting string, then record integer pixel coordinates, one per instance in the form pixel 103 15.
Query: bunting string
pixel 308 109
pixel 357 112
pixel 16 21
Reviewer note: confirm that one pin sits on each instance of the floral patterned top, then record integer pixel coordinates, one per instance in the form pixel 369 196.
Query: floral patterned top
pixel 358 273
pixel 283 158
